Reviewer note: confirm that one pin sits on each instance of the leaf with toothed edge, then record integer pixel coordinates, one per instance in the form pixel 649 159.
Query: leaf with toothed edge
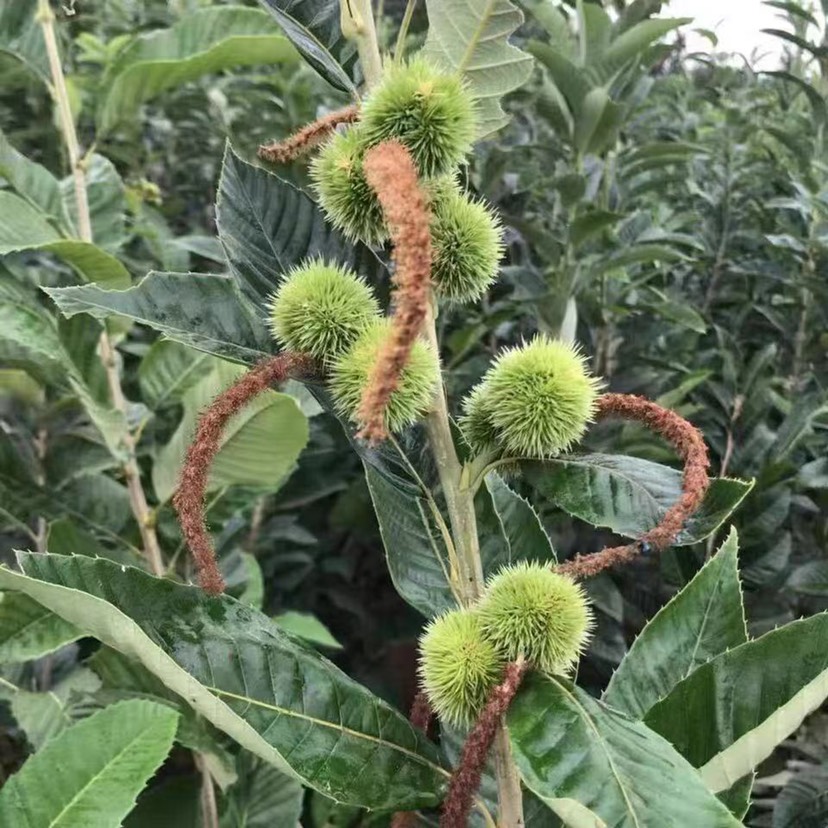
pixel 702 621
pixel 590 762
pixel 91 773
pixel 472 39
pixel 245 675
pixel 629 495
pixel 729 714
pixel 267 227
pixel 204 311
pixel 314 28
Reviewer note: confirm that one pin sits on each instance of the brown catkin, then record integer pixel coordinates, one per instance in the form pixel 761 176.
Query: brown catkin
pixel 392 174
pixel 689 444
pixel 192 485
pixel 307 138
pixel 420 716
pixel 465 780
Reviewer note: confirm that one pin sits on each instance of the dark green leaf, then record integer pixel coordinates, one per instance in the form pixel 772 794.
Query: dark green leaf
pixel 314 28
pixel 704 620
pixel 28 630
pixel 267 227
pixel 630 496
pixel 730 714
pixel 588 762
pixel 206 312
pixel 249 678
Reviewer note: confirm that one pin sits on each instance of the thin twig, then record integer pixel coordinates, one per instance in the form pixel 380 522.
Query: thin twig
pixel 137 497
pixel 399 48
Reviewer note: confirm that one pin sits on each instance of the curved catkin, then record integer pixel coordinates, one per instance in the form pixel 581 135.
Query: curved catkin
pixel 390 170
pixel 189 498
pixel 465 781
pixel 689 444
pixel 307 138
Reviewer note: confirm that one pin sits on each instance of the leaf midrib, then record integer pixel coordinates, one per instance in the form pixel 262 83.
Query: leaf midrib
pixel 602 743
pixel 140 736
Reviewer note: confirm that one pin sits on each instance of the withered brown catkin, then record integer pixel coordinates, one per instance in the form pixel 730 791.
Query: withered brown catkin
pixel 392 174
pixel 690 447
pixel 189 498
pixel 420 717
pixel 465 780
pixel 307 138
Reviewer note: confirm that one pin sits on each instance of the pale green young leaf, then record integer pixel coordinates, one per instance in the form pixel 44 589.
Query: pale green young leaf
pixel 205 41
pixel 260 444
pixel 308 627
pixel 471 37
pixel 23 228
pixel 91 773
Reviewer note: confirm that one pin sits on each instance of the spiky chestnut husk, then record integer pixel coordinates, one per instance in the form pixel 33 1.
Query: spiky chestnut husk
pixel 320 309
pixel 468 245
pixel 532 611
pixel 458 666
pixel 430 112
pixel 539 398
pixel 476 424
pixel 344 195
pixel 352 370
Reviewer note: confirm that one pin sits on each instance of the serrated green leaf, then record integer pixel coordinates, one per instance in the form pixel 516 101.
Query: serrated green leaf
pixel 22 228
pixel 704 620
pixel 202 42
pixel 414 546
pixel 28 630
pixel 569 746
pixel 91 773
pixel 730 714
pixel 267 227
pixel 479 50
pixel 519 534
pixel 315 30
pixel 206 312
pixel 260 444
pixel 630 496
pixel 237 668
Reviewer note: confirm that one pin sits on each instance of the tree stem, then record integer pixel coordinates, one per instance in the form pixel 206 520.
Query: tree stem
pixel 137 497
pixel 459 497
pixel 357 20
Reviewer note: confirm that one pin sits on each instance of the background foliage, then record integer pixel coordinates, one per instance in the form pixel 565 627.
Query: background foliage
pixel 669 210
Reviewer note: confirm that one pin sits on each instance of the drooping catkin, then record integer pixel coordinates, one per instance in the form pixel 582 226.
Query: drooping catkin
pixel 689 444
pixel 390 170
pixel 465 780
pixel 189 498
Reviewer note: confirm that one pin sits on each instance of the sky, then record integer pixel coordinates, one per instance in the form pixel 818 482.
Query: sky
pixel 738 24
